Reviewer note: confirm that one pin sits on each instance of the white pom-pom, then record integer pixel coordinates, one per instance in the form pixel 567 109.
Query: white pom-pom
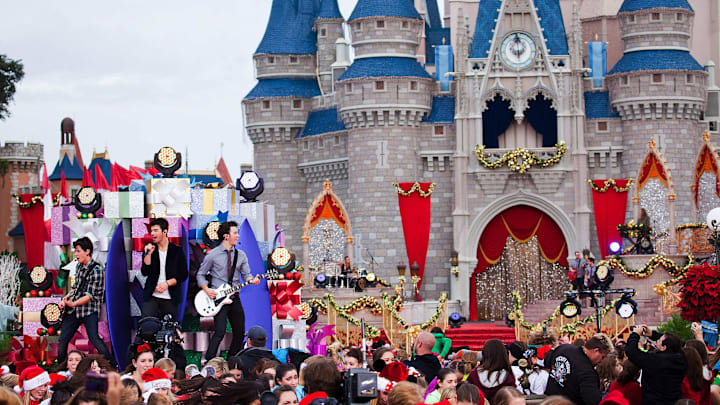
pixel 17 389
pixel 4 370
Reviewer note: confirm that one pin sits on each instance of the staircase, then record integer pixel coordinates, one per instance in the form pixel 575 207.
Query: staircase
pixel 475 334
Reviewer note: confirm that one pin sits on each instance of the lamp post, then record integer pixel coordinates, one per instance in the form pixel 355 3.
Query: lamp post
pixel 401 267
pixel 415 278
pixel 713 223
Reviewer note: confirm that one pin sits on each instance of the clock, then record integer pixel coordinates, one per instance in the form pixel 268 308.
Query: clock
pixel 518 50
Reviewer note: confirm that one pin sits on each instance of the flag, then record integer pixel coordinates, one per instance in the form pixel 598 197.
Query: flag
pixel 100 180
pixel 597 59
pixel 87 179
pixel 63 187
pixel 114 177
pixel 51 257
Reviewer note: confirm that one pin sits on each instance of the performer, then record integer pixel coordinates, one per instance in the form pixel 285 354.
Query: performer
pixel 345 270
pixel 82 304
pixel 165 267
pixel 226 264
pixel 577 272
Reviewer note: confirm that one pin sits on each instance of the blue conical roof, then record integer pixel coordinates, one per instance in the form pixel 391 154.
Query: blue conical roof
pixel 290 28
pixel 635 5
pixel 384 8
pixel 329 9
pixel 72 170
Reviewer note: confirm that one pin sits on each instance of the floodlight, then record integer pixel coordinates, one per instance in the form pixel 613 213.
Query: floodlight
pixel 251 185
pixel 167 161
pixel 456 320
pixel 51 315
pixel 87 202
pixel 615 248
pixel 603 276
pixel 626 307
pixel 570 308
pixel 210 236
pixel 321 280
pixel 281 260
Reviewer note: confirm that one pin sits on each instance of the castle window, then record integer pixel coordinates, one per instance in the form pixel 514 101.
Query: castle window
pixel 266 105
pixel 379 85
pixel 348 87
pixel 405 24
pixel 359 26
pixel 689 79
pixel 679 16
pixel 657 78
pixel 631 19
pixel 602 126
pixel 321 143
pixel 337 140
pixel 306 145
pixel 655 17
pixel 297 104
pixel 413 85
pixel 293 59
pixel 624 80
pixel 323 32
pixel 439 130
pixel 271 60
pixel 380 24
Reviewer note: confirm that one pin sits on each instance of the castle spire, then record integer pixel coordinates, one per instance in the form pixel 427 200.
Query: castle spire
pixel 290 28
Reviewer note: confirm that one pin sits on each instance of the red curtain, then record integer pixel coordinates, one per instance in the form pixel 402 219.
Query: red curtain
pixel 522 223
pixel 415 216
pixel 34 226
pixel 609 208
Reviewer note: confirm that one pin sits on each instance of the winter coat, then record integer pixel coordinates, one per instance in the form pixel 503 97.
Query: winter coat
pixel 573 375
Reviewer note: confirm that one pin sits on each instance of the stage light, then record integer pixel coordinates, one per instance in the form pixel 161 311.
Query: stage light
pixel 615 248
pixel 570 308
pixel 456 320
pixel 167 161
pixel 281 260
pixel 626 307
pixel 713 219
pixel 250 185
pixel 87 202
pixel 210 236
pixel 38 278
pixel 321 280
pixel 603 276
pixel 51 315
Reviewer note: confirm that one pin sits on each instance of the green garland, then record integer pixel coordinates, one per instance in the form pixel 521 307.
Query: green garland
pixel 572 327
pixel 520 159
pixel 616 262
pixel 371 331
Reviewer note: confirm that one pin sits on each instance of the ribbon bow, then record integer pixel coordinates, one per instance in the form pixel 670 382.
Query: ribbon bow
pixel 316 339
pixel 170 197
pixel 283 299
pixel 143 348
pixel 96 229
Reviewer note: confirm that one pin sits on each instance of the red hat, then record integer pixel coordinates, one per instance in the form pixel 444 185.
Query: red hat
pixel 31 378
pixel 56 378
pixel 155 378
pixel 542 351
pixel 395 371
pixel 384 385
pixel 615 398
pixel 315 395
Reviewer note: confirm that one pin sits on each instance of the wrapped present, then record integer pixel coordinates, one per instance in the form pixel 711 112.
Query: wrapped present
pixel 265 248
pixel 59 233
pixel 317 339
pixel 124 204
pixel 31 308
pixel 168 197
pixel 208 201
pixel 261 217
pixel 99 230
pixel 137 185
pixel 198 222
pixel 284 298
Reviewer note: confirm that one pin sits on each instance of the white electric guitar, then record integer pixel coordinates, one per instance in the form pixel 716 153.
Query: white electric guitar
pixel 207 306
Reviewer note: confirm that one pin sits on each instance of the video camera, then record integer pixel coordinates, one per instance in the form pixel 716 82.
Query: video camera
pixel 359 386
pixel 159 334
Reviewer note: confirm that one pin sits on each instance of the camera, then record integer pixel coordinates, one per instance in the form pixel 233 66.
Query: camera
pixel 359 386
pixel 162 336
pixel 96 382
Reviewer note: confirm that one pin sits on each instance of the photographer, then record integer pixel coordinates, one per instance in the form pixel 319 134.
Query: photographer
pixel 663 371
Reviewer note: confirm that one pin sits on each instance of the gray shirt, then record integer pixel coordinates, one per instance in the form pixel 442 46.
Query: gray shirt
pixel 216 264
pixel 579 266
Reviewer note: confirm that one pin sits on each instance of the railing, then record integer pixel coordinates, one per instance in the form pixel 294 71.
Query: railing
pixel 693 239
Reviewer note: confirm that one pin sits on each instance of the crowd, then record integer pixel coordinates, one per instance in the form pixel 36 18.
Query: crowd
pixel 649 368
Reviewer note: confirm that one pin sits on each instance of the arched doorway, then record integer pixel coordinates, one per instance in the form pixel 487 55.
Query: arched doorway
pixel 522 248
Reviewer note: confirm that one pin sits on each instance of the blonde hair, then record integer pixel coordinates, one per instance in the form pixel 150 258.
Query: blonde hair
pixel 159 399
pixel 404 393
pixel 556 400
pixel 166 365
pixel 219 364
pixel 9 380
pixel 9 397
pixel 26 398
pixel 308 362
pixel 448 393
pixel 505 394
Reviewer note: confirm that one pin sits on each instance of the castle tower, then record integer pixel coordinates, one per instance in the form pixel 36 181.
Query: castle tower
pixel 20 165
pixel 658 89
pixel 70 160
pixel 328 28
pixel 382 99
pixel 277 107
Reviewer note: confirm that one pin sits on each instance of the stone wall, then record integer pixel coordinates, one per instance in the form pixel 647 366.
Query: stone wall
pixel 386 35
pixel 269 66
pixel 328 31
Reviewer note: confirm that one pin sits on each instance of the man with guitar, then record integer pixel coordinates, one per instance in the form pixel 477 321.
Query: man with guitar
pixel 165 267
pixel 82 304
pixel 226 264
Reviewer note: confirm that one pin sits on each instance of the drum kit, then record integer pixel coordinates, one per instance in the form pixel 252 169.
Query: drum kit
pixel 358 278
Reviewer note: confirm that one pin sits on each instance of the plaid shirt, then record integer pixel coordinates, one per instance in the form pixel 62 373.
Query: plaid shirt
pixel 91 279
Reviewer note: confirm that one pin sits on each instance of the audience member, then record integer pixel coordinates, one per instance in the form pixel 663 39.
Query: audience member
pixel 265 366
pixel 509 396
pixel 324 376
pixel 425 361
pixel 442 343
pixel 143 360
pixel 130 393
pixel 470 361
pixel 287 375
pixel 352 359
pixel 168 366
pixel 256 350
pixel 608 370
pixel 404 393
pixel 8 397
pixel 449 394
pixel 494 370
pixel 159 399
pixel 86 397
pixel 697 380
pixel 469 394
pixel 556 400
pixel 446 378
pixel 67 367
pixel 285 395
pixel 384 353
pixel 627 383
pixel 33 385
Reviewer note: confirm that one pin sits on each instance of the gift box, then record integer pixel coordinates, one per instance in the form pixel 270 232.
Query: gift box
pixel 168 197
pixel 141 236
pixel 59 233
pixel 31 308
pixel 124 204
pixel 284 298
pixel 198 222
pixel 209 201
pixel 137 185
pixel 261 217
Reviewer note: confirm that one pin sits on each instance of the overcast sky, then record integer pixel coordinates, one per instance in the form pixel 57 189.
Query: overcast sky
pixel 135 75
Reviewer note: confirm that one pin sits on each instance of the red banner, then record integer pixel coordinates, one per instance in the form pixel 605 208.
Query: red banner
pixel 414 202
pixel 34 226
pixel 609 208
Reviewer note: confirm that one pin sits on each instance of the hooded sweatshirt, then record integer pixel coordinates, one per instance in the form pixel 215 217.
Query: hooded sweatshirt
pixel 662 373
pixel 490 382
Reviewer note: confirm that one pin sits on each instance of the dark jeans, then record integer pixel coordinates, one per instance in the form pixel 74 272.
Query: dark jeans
pixel 158 307
pixel 71 324
pixel 237 321
pixel 578 283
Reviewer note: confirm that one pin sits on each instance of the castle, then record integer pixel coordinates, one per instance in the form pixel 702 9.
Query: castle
pixel 424 90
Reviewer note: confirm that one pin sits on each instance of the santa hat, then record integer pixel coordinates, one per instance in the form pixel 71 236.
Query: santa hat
pixel 31 378
pixel 56 378
pixel 4 370
pixel 155 378
pixel 615 398
pixel 384 385
pixel 395 371
pixel 311 397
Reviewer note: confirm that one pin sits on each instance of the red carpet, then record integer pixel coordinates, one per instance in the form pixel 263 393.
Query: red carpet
pixel 476 334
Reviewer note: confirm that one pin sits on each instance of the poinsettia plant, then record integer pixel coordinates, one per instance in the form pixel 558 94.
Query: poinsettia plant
pixel 699 293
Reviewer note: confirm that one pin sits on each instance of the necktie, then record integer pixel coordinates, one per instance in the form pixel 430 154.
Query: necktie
pixel 229 267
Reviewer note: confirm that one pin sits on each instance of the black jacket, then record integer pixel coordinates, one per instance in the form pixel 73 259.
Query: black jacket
pixel 662 373
pixel 248 357
pixel 572 375
pixel 428 364
pixel 175 267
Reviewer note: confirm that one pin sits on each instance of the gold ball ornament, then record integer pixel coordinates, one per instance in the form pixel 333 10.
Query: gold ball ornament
pixel 27 294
